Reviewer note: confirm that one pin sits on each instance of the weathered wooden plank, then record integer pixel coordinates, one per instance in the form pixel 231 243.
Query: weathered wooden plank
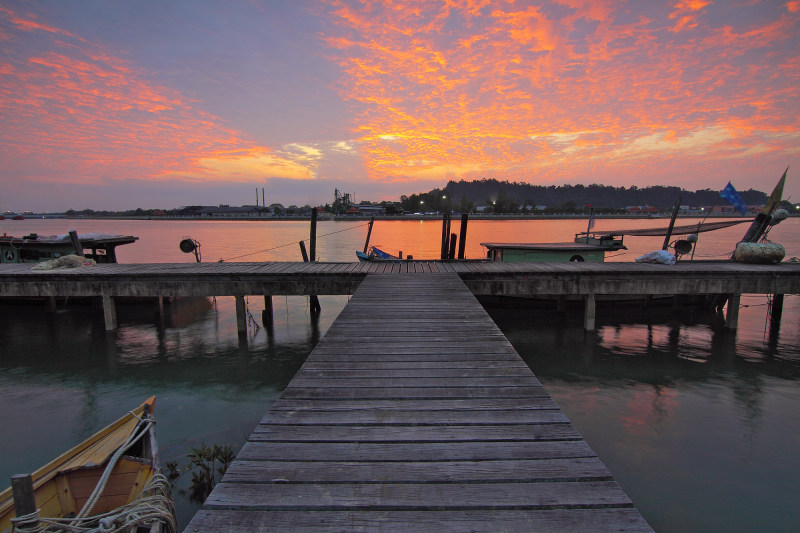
pixel 408 392
pixel 404 451
pixel 411 433
pixel 485 521
pixel 413 496
pixel 570 469
pixel 475 404
pixel 418 382
pixel 370 416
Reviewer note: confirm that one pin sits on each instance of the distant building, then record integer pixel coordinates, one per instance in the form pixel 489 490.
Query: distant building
pixel 225 211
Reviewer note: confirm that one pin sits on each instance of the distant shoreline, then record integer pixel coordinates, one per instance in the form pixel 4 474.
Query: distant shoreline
pixel 363 218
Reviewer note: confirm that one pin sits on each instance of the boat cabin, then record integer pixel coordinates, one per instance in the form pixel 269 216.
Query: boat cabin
pixel 587 247
pixel 35 249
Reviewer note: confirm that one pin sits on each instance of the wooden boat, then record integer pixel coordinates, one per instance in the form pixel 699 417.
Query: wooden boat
pixel 587 247
pixel 34 248
pixel 376 254
pixel 110 479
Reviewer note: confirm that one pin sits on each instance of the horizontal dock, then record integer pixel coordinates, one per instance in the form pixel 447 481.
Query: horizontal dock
pixel 414 413
pixel 482 278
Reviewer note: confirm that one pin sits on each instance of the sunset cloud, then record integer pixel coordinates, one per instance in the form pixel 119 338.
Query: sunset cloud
pixel 398 95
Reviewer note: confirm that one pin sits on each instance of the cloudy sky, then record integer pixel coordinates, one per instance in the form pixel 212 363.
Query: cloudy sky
pixel 158 104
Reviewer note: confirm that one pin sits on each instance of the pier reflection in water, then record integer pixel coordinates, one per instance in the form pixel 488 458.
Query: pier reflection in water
pixel 701 429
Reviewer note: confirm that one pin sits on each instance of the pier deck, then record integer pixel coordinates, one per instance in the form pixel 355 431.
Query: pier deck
pixel 414 413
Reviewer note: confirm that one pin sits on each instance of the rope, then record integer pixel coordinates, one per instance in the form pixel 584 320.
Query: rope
pixel 154 504
pixel 138 433
pixel 292 243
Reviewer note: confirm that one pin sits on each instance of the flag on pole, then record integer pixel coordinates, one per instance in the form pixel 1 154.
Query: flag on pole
pixel 730 194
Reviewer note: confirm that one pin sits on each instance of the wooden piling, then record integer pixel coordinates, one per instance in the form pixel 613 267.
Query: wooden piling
pixel 109 312
pixel 452 252
pixel 732 313
pixel 241 315
pixel 303 251
pixel 76 243
pixel 267 315
pixel 776 312
pixel 462 240
pixel 589 312
pixel 313 236
pixel 369 234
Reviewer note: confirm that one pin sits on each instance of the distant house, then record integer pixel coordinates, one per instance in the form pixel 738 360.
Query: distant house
pixel 226 211
pixel 641 209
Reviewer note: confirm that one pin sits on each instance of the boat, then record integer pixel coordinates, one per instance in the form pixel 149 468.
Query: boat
pixel 376 254
pixel 109 482
pixel 590 247
pixel 35 248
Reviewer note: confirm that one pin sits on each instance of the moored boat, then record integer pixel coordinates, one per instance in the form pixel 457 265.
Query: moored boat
pixel 35 248
pixel 109 482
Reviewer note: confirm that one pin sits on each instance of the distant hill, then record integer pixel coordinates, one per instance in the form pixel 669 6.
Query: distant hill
pixel 464 194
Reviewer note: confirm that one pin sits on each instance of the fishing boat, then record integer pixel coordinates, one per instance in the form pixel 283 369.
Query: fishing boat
pixel 589 247
pixel 35 248
pixel 376 254
pixel 109 482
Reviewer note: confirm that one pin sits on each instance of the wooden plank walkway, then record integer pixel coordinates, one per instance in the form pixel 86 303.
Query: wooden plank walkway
pixel 414 413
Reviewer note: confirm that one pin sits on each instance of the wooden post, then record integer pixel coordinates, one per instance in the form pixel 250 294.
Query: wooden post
pixel 22 492
pixel 109 313
pixel 313 236
pixel 732 314
pixel 452 253
pixel 776 313
pixel 445 235
pixel 241 315
pixel 267 314
pixel 589 313
pixel 76 243
pixel 369 234
pixel 51 304
pixel 159 306
pixel 462 239
pixel 313 300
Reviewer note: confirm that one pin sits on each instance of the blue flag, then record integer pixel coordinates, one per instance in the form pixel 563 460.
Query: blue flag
pixel 730 194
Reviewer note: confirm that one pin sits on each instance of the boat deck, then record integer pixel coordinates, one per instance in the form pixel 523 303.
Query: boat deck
pixel 414 413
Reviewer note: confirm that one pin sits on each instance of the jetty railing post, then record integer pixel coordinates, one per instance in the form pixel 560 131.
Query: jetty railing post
pixel 452 253
pixel 732 313
pixel 303 251
pixel 241 315
pixel 109 312
pixel 445 236
pixel 462 239
pixel 22 492
pixel 589 312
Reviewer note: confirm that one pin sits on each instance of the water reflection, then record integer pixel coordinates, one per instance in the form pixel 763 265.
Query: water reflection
pixel 696 423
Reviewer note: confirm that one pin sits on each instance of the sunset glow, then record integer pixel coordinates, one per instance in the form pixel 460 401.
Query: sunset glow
pixel 390 98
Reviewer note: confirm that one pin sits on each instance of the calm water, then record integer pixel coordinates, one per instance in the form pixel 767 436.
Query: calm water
pixel 701 429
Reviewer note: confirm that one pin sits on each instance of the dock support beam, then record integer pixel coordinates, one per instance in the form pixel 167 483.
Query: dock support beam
pixel 776 312
pixel 267 314
pixel 241 316
pixel 51 304
pixel 109 313
pixel 589 312
pixel 732 313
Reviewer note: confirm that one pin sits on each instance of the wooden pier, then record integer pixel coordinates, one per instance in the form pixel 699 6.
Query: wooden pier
pixel 414 413
pixel 583 280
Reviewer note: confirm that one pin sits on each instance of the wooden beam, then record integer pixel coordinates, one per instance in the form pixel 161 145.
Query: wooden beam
pixel 109 312
pixel 241 315
pixel 589 312
pixel 732 313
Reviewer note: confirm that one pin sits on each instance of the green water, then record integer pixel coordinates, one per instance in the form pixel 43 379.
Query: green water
pixel 701 429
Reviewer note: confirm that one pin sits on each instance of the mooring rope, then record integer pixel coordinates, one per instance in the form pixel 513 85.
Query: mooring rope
pixel 292 243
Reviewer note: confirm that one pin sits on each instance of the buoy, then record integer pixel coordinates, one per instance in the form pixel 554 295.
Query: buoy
pixel 759 252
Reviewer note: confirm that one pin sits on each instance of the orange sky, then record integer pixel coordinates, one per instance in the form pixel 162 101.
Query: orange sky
pixel 107 105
